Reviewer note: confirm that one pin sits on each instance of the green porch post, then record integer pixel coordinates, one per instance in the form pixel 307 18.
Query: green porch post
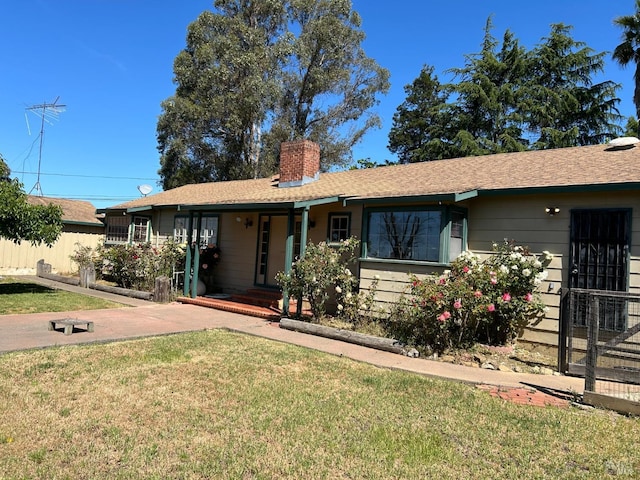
pixel 288 255
pixel 187 261
pixel 196 259
pixel 303 247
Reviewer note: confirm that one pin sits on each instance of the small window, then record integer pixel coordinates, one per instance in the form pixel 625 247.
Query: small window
pixel 140 229
pixel 180 225
pixel 339 227
pixel 208 230
pixel 456 238
pixel 117 229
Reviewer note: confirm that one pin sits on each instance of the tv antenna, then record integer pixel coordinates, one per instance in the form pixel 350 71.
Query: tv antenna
pixel 48 112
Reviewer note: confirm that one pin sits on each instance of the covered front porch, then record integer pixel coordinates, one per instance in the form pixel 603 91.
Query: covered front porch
pixel 255 243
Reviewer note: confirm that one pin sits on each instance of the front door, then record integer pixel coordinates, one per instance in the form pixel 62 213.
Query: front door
pixel 599 256
pixel 272 247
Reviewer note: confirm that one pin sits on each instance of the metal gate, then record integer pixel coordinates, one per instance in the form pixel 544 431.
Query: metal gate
pixel 600 340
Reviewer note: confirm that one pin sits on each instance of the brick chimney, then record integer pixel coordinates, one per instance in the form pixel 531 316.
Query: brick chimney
pixel 299 163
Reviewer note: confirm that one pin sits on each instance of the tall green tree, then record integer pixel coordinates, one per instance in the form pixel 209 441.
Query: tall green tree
pixel 418 131
pixel 565 108
pixel 486 112
pixel 507 99
pixel 211 129
pixel 259 72
pixel 628 51
pixel 21 221
pixel 631 127
pixel 329 83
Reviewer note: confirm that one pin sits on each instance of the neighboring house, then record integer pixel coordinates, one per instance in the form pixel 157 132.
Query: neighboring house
pixel 581 204
pixel 81 225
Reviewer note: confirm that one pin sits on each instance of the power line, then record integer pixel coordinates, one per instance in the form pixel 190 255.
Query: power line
pixel 90 197
pixel 85 176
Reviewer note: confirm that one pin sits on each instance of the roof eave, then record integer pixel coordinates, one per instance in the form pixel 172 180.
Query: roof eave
pixel 440 197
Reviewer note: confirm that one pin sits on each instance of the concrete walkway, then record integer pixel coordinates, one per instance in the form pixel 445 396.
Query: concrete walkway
pixel 144 319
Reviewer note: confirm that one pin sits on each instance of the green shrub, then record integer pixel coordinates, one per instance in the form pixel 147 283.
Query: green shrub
pixel 323 269
pixel 84 256
pixel 137 266
pixel 489 301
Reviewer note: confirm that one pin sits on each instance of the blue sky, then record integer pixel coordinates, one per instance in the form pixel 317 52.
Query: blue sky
pixel 110 62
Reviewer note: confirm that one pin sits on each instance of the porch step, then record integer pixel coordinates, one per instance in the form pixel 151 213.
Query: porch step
pixel 259 297
pixel 230 306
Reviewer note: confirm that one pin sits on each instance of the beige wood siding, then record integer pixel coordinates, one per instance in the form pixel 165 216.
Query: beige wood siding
pixel 22 259
pixel 524 220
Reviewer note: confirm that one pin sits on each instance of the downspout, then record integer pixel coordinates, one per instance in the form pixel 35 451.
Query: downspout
pixel 288 256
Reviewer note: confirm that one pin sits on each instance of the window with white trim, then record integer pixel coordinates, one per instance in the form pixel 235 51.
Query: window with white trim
pixel 180 225
pixel 339 227
pixel 140 230
pixel 208 229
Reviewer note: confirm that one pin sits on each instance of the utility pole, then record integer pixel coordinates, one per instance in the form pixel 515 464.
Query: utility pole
pixel 47 113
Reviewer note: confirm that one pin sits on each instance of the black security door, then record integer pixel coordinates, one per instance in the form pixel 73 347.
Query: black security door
pixel 599 254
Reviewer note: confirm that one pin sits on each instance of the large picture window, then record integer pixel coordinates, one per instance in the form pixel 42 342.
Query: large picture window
pixel 425 235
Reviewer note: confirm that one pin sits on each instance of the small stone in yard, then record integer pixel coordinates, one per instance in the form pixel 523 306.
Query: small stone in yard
pixel 504 368
pixel 412 352
pixel 478 357
pixel 488 366
pixel 546 371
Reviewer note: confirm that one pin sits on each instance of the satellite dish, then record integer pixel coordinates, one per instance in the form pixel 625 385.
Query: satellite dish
pixel 145 189
pixel 623 142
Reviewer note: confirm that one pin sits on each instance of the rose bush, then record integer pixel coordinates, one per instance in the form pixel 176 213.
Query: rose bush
pixel 477 301
pixel 323 269
pixel 137 266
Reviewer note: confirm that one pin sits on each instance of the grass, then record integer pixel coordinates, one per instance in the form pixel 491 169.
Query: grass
pixel 17 297
pixel 221 405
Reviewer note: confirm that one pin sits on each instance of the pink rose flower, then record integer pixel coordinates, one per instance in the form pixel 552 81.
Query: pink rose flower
pixel 506 297
pixel 477 294
pixel 528 297
pixel 494 280
pixel 446 314
pixel 465 269
pixel 457 304
pixel 442 319
pixel 491 307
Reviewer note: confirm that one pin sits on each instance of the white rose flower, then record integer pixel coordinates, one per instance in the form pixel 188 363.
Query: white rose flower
pixel 504 269
pixel 340 307
pixel 526 272
pixel 338 289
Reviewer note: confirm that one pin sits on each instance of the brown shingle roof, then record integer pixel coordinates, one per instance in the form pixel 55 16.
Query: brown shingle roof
pixel 576 166
pixel 73 211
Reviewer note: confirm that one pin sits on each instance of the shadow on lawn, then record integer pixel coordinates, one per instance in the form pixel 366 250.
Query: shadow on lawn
pixel 23 287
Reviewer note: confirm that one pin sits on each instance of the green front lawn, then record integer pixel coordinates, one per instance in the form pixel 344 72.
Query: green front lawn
pixel 17 297
pixel 221 405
